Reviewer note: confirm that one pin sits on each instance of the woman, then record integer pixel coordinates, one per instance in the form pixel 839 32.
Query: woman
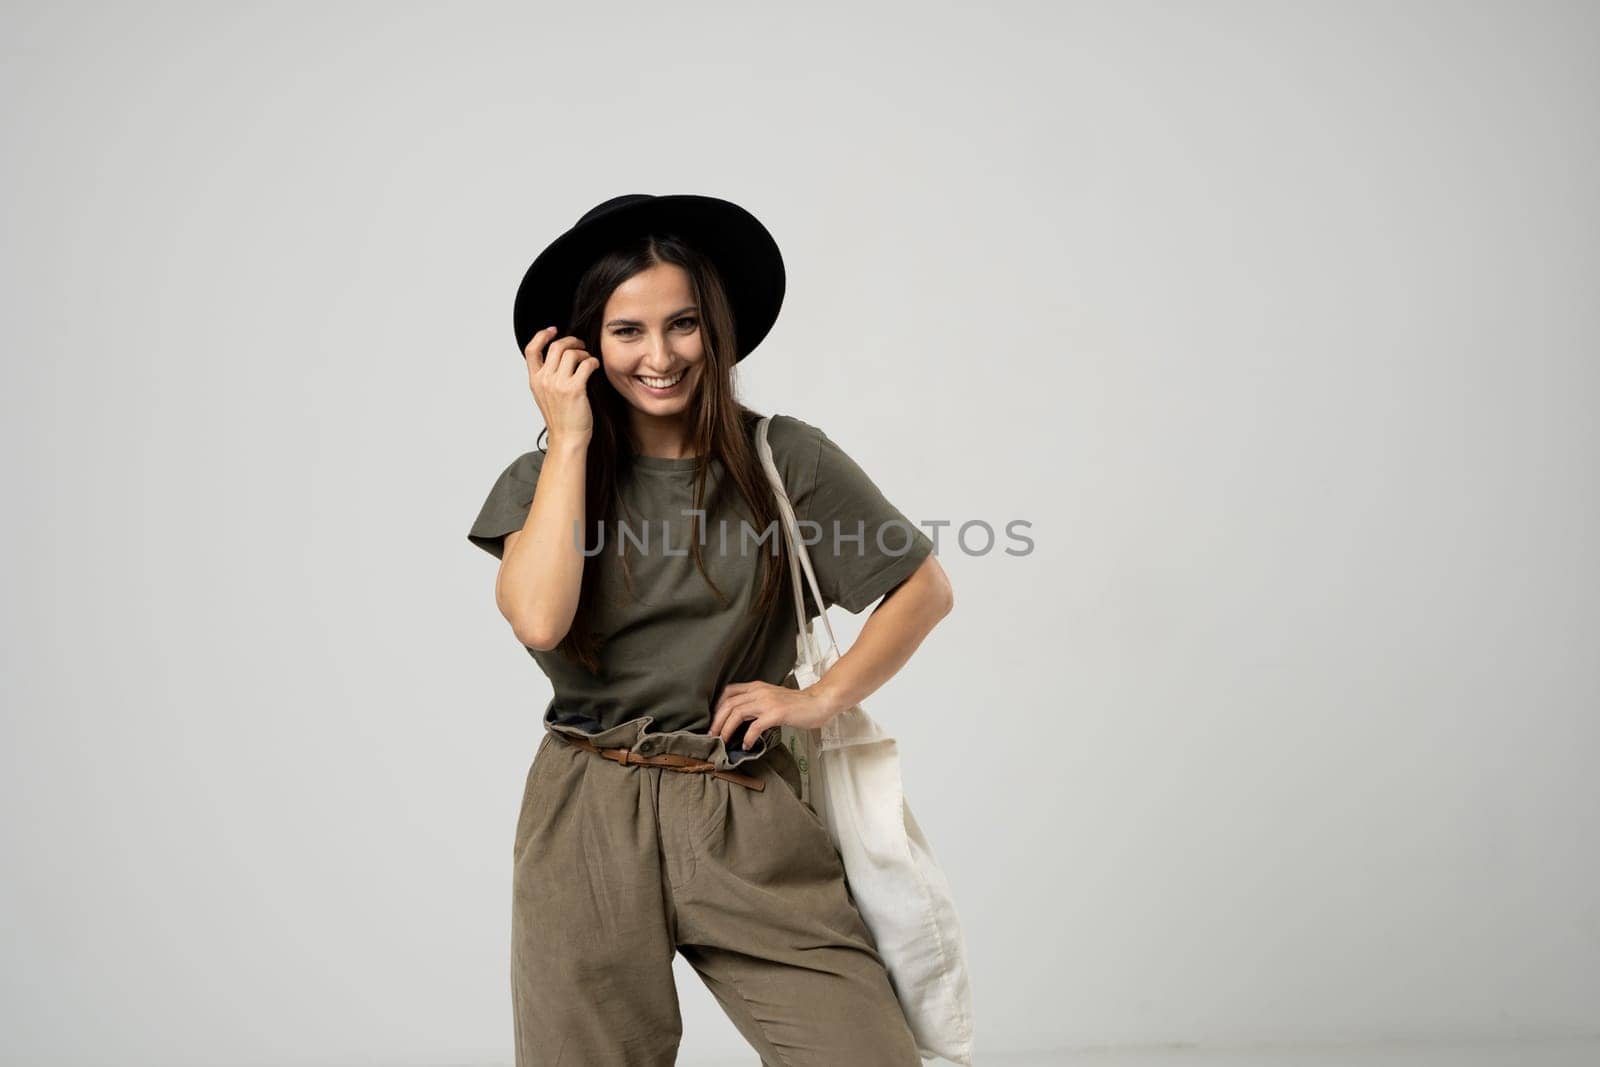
pixel 662 813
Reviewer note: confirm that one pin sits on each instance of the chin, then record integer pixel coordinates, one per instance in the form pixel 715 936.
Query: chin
pixel 662 406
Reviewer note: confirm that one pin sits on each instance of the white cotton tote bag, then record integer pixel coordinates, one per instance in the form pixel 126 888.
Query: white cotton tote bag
pixel 850 775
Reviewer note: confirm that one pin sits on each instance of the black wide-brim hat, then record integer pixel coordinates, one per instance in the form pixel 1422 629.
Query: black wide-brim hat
pixel 745 255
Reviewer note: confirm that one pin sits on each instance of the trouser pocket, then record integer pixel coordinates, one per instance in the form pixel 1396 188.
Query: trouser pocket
pixel 782 761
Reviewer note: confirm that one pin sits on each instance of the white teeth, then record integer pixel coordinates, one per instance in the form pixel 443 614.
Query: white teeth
pixel 661 383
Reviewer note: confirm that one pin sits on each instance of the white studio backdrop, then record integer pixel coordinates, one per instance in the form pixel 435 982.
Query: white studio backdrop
pixel 1276 323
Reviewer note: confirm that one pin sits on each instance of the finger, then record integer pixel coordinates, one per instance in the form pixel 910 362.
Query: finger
pixel 719 714
pixel 739 709
pixel 737 701
pixel 732 689
pixel 553 351
pixel 725 720
pixel 739 724
pixel 571 356
pixel 729 723
pixel 534 353
pixel 530 351
pixel 757 728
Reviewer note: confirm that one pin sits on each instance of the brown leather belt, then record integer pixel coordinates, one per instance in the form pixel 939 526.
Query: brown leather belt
pixel 670 760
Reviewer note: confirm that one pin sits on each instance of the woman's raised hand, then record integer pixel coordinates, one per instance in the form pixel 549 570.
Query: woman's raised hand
pixel 559 380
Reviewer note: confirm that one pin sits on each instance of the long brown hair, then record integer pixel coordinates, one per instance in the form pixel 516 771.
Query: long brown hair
pixel 721 427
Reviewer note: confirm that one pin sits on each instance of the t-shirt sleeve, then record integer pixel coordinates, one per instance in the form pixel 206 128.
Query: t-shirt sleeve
pixel 861 545
pixel 506 507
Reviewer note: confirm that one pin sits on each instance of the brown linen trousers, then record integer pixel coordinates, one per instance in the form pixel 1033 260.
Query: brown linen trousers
pixel 617 867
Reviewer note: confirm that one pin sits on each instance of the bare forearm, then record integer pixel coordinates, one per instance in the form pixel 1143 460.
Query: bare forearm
pixel 541 572
pixel 891 634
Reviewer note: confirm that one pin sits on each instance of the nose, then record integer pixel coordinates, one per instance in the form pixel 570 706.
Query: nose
pixel 659 359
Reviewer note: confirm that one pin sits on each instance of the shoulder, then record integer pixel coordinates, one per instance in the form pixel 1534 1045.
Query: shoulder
pixel 792 433
pixel 506 507
pixel 525 468
pixel 796 444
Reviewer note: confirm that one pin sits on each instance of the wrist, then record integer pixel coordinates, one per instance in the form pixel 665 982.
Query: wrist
pixel 575 446
pixel 827 697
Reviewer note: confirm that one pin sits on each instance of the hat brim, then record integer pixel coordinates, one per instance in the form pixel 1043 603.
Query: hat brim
pixel 743 250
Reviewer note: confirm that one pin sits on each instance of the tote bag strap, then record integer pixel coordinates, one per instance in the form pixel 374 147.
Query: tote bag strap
pixel 798 559
pixel 764 450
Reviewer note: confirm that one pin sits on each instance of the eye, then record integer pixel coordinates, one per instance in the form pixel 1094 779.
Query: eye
pixel 689 319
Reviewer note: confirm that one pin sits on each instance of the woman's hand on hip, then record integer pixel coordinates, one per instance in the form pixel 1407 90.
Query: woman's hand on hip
pixel 766 705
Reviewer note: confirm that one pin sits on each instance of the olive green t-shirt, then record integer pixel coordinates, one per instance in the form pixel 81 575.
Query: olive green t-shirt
pixel 668 647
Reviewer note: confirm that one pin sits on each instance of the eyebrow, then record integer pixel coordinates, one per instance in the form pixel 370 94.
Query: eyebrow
pixel 636 322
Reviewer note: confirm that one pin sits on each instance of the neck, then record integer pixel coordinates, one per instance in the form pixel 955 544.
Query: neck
pixel 662 437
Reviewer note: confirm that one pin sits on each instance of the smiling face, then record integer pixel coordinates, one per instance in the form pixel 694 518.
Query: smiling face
pixel 651 344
